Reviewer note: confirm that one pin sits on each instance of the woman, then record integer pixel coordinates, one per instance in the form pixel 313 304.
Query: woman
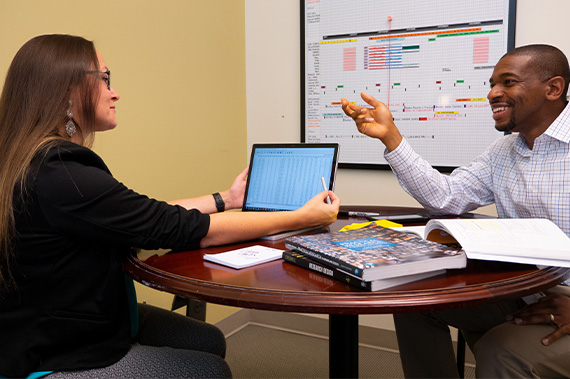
pixel 66 224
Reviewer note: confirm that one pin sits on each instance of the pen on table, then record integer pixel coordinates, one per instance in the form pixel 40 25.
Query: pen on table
pixel 325 188
pixel 358 214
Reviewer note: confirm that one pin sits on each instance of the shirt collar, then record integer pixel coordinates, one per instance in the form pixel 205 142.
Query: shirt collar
pixel 560 128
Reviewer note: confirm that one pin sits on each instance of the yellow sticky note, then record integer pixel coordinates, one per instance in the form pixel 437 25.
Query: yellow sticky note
pixel 383 223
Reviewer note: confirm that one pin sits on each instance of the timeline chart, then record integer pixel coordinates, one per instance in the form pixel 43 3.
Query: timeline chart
pixel 429 62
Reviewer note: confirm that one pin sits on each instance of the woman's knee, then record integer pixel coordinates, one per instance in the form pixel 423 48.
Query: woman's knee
pixel 160 327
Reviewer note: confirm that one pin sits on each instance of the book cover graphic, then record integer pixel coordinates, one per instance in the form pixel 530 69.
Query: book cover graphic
pixel 374 246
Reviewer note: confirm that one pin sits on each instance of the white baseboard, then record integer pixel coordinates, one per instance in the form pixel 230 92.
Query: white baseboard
pixel 314 326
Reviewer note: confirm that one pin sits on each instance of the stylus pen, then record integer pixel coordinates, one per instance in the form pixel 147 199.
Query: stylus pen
pixel 325 188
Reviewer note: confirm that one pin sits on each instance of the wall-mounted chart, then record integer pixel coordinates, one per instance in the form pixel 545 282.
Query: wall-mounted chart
pixel 430 62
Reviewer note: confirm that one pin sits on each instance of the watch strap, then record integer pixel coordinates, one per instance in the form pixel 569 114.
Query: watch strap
pixel 220 205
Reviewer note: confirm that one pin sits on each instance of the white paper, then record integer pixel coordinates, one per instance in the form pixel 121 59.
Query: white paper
pixel 537 241
pixel 248 256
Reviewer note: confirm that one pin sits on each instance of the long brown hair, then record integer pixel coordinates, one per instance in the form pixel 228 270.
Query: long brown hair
pixel 33 113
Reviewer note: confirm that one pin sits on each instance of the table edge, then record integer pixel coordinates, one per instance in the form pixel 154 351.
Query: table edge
pixel 384 301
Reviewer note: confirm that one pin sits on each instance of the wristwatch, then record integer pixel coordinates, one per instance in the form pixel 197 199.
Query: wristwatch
pixel 220 205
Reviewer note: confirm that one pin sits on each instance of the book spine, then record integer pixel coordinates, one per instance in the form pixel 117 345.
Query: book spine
pixel 298 259
pixel 325 259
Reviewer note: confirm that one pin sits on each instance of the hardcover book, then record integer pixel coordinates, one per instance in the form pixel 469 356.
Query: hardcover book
pixel 374 252
pixel 302 260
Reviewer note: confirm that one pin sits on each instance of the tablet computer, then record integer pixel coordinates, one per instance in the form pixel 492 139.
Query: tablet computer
pixel 284 176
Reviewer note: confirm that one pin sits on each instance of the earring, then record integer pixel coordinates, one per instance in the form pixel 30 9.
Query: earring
pixel 70 128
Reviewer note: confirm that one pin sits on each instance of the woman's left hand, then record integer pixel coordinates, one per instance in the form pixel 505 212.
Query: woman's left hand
pixel 233 197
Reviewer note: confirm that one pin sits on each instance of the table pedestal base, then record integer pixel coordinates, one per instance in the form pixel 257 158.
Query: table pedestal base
pixel 343 346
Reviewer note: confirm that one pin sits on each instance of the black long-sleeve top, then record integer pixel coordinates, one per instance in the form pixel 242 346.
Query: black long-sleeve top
pixel 75 223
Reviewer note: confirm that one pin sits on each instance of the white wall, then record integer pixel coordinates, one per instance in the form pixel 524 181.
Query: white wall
pixel 273 84
pixel 272 32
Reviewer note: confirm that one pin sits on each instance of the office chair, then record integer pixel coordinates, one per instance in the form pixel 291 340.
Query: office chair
pixel 195 309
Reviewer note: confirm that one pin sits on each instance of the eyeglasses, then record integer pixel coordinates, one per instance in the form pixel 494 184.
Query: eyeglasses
pixel 106 77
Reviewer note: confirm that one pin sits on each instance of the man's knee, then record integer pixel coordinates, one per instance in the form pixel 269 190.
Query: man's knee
pixel 507 350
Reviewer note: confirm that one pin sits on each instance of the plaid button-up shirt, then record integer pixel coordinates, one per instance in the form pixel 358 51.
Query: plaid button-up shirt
pixel 523 183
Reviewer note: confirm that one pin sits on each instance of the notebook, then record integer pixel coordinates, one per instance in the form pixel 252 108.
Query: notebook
pixel 283 177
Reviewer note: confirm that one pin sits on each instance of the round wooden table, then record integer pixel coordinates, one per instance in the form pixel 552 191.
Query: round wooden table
pixel 280 286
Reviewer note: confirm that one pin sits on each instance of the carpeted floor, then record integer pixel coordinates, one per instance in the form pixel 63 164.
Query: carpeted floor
pixel 256 351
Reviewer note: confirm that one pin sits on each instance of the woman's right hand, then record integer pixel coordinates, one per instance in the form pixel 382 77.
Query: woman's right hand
pixel 231 227
pixel 318 212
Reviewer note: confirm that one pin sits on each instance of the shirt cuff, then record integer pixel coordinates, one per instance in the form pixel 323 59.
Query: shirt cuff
pixel 400 154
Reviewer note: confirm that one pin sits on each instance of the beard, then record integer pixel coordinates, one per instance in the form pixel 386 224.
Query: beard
pixel 509 126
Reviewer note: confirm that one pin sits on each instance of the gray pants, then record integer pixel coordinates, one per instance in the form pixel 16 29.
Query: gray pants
pixel 168 345
pixel 502 349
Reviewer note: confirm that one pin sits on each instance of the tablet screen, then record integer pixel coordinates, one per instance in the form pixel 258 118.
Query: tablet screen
pixel 283 177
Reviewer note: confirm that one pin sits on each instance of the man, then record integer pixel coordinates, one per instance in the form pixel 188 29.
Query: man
pixel 526 174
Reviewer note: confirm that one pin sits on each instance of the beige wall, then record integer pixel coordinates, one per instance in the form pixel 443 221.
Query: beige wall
pixel 179 66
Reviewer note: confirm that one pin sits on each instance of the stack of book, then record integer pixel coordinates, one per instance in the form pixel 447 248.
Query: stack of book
pixel 373 257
